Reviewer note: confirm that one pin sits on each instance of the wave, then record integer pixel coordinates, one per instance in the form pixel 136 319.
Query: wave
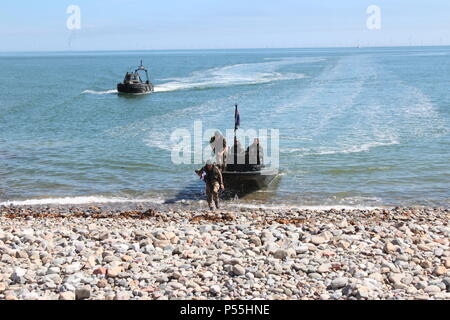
pixel 345 150
pixel 113 91
pixel 78 201
pixel 362 148
pixel 239 74
pixel 103 200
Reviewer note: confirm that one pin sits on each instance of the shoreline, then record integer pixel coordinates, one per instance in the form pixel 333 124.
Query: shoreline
pixel 147 252
pixel 164 205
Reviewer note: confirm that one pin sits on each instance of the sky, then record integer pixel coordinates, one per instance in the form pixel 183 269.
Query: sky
pixel 219 24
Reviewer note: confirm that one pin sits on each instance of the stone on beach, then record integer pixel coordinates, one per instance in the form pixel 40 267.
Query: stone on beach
pixel 114 271
pixel 439 270
pixel 259 254
pixel 447 262
pixel 100 271
pixel 83 293
pixel 122 296
pixel 324 268
pixel 18 276
pixel 238 270
pixel 317 240
pixel 68 295
pixel 338 283
pixel 390 248
pixel 281 254
pixel 215 289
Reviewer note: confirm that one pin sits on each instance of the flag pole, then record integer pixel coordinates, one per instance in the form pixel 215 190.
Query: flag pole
pixel 235 129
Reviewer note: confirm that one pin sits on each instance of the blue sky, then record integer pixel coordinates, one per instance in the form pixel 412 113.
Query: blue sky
pixel 216 24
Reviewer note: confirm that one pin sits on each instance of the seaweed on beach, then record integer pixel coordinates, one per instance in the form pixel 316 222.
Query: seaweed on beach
pixel 295 221
pixel 228 217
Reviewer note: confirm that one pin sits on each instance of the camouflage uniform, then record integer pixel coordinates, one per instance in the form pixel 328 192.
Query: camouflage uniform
pixel 255 154
pixel 219 147
pixel 213 180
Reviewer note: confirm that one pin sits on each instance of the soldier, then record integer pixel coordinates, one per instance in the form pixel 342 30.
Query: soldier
pixel 218 145
pixel 238 147
pixel 255 153
pixel 237 153
pixel 213 181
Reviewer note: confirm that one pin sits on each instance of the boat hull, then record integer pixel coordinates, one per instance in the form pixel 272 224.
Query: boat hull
pixel 134 88
pixel 248 181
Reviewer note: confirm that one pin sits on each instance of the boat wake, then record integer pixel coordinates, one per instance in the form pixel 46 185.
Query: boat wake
pixel 365 147
pixel 239 74
pixel 113 91
pixel 231 75
pixel 156 130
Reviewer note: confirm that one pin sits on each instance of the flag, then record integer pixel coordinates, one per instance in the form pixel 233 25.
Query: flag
pixel 237 118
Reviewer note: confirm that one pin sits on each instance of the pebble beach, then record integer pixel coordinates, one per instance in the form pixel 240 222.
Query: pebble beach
pixel 138 253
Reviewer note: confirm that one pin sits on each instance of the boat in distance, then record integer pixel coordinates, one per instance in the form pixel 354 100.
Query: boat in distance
pixel 133 84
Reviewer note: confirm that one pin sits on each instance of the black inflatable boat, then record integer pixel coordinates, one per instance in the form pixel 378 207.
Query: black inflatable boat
pixel 133 84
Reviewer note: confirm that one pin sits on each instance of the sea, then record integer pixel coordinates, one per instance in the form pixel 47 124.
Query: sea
pixel 357 127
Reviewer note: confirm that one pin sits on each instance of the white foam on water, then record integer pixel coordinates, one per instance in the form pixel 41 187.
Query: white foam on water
pixel 404 110
pixel 430 54
pixel 156 131
pixel 239 74
pixel 294 150
pixel 421 113
pixel 78 200
pixel 361 120
pixel 222 80
pixel 366 147
pixel 113 91
pixel 327 98
pixel 300 60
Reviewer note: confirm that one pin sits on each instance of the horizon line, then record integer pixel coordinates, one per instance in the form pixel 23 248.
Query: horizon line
pixel 211 49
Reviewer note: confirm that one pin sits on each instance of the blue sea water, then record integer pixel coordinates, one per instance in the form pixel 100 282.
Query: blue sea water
pixel 358 127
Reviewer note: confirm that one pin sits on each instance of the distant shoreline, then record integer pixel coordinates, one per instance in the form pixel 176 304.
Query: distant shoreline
pixel 222 49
